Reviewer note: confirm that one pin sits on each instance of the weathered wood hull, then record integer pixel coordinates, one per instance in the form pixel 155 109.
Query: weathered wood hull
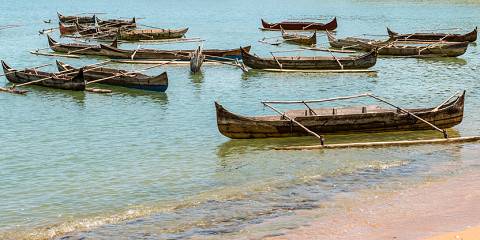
pixel 389 48
pixel 78 49
pixel 300 39
pixel 106 31
pixel 304 26
pixel 73 19
pixel 129 80
pixel 67 29
pixel 468 37
pixel 374 120
pixel 74 83
pixel 169 54
pixel 151 34
pixel 310 63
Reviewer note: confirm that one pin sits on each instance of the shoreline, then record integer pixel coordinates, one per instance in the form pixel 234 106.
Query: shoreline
pixel 439 210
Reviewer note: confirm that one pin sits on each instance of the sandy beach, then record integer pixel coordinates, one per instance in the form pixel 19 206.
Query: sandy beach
pixel 439 210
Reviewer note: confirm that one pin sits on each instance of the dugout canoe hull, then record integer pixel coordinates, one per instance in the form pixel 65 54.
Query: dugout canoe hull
pixel 183 55
pixel 89 49
pixel 389 48
pixel 59 81
pixel 448 37
pixel 73 19
pixel 130 80
pixel 344 121
pixel 301 26
pixel 300 39
pixel 364 61
pixel 151 34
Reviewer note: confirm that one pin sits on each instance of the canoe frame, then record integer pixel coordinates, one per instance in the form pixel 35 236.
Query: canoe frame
pixel 363 61
pixel 135 80
pixel 449 113
pixel 299 25
pixel 447 37
pixel 298 38
pixel 389 47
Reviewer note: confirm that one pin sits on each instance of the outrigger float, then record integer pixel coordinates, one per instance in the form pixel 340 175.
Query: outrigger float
pixel 318 122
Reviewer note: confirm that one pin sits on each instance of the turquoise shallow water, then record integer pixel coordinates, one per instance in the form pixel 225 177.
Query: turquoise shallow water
pixel 153 165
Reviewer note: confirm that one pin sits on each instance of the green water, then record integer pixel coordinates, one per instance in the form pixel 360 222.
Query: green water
pixel 144 165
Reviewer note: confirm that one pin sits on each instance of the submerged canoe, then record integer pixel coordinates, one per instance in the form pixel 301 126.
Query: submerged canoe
pixel 392 48
pixel 76 82
pixel 127 79
pixel 301 26
pixel 300 39
pixel 448 37
pixel 114 52
pixel 311 63
pixel 338 120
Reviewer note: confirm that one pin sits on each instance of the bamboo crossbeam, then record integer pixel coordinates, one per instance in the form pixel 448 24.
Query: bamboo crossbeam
pixel 54 54
pixel 279 64
pixel 296 122
pixel 446 101
pixel 351 46
pixel 336 59
pixel 79 50
pixel 443 131
pixel 135 52
pixel 317 101
pixel 383 144
pixel 226 63
pixel 327 49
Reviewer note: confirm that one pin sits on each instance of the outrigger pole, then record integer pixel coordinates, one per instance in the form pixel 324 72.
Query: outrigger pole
pixel 295 121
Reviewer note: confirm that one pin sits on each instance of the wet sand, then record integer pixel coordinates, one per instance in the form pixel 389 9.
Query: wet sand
pixel 438 210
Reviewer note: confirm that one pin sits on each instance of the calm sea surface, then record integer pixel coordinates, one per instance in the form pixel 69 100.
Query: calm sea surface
pixel 142 165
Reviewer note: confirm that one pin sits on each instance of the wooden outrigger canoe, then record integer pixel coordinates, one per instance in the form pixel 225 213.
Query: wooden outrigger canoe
pixel 76 82
pixel 300 26
pixel 106 31
pixel 216 54
pixel 151 34
pixel 117 22
pixel 393 48
pixel 77 48
pixel 102 27
pixel 339 120
pixel 120 77
pixel 364 61
pixel 300 39
pixel 448 37
pixel 73 19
